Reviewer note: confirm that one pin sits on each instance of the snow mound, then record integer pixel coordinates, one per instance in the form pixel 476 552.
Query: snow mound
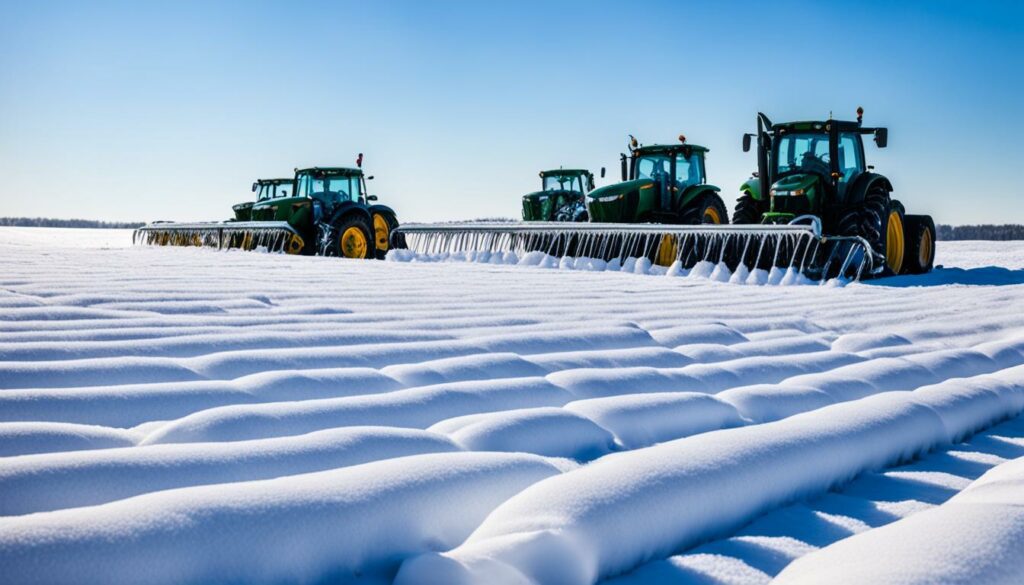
pixel 975 537
pixel 355 521
pixel 554 432
pixel 81 478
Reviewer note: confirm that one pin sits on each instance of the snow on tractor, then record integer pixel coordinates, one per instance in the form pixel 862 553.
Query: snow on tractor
pixel 322 210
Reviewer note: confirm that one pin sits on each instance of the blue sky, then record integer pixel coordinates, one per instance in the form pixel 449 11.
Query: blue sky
pixel 169 110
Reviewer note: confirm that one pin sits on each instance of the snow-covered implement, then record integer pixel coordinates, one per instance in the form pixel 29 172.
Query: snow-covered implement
pixel 798 248
pixel 323 211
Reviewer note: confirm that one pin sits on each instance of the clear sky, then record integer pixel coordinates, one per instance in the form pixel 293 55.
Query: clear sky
pixel 169 110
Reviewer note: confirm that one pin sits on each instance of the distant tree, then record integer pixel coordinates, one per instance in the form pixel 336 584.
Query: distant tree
pixel 980 232
pixel 67 223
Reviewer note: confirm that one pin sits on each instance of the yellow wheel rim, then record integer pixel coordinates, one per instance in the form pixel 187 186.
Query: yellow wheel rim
pixel 668 250
pixel 381 232
pixel 894 242
pixel 924 250
pixel 295 244
pixel 711 215
pixel 353 243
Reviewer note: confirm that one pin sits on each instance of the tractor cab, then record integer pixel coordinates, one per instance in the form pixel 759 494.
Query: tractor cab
pixel 659 184
pixel 809 167
pixel 561 197
pixel 312 192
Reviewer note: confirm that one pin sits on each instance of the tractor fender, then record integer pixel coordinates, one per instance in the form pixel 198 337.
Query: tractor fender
pixel 377 208
pixel 692 192
pixel 346 208
pixel 753 188
pixel 862 184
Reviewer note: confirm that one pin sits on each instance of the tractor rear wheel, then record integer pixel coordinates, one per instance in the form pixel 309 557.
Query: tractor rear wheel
pixel 920 251
pixel 708 209
pixel 748 210
pixel 383 224
pixel 895 238
pixel 350 238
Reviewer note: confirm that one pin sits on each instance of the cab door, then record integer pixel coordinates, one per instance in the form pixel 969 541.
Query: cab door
pixel 849 161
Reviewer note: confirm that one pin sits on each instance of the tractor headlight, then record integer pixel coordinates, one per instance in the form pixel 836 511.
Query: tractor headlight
pixel 609 198
pixel 797 192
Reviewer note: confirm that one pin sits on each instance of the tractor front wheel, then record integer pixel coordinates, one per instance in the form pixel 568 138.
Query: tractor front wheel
pixel 350 238
pixel 748 210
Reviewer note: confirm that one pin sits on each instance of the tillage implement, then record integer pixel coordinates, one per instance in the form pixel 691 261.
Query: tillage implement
pixel 321 210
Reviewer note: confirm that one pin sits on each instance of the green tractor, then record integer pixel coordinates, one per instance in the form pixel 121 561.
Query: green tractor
pixel 817 171
pixel 264 189
pixel 561 198
pixel 323 210
pixel 660 184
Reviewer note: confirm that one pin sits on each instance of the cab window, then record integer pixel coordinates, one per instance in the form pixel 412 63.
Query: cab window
pixel 851 161
pixel 688 171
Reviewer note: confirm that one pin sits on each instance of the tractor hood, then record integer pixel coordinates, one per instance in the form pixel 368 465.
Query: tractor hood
pixel 786 185
pixel 618 202
pixel 610 193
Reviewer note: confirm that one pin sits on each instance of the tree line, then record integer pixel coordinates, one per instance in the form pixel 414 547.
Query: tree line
pixel 1010 231
pixel 67 223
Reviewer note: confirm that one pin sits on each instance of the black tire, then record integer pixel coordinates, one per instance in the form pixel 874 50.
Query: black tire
pixel 382 242
pixel 336 246
pixel 867 220
pixel 748 210
pixel 920 248
pixel 705 210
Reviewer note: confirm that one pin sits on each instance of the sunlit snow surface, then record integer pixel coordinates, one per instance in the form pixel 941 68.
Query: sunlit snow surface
pixel 195 416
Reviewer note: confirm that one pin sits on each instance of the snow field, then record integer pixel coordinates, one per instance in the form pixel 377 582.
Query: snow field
pixel 975 537
pixel 181 415
pixel 660 499
pixel 762 549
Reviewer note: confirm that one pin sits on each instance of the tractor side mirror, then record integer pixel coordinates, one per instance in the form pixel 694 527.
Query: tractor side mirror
pixel 370 178
pixel 881 137
pixel 746 143
pixel 371 197
pixel 602 172
pixel 254 185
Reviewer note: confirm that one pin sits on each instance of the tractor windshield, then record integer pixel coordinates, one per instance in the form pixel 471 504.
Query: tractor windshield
pixel 563 183
pixel 329 187
pixel 658 167
pixel 653 166
pixel 801 153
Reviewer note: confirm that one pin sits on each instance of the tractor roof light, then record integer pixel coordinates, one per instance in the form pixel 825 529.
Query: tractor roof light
pixel 860 115
pixel 359 160
pixel 682 138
